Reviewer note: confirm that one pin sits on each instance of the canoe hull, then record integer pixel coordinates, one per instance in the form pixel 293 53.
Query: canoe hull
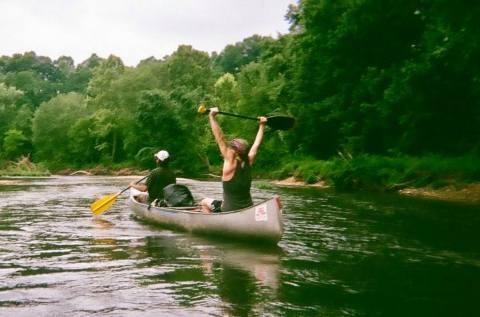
pixel 262 221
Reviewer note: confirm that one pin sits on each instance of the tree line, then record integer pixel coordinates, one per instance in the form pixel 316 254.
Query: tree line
pixel 377 77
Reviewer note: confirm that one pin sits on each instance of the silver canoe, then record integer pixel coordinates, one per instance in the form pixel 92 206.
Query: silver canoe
pixel 262 221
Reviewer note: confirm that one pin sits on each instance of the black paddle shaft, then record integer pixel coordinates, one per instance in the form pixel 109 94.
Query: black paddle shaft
pixel 274 122
pixel 238 115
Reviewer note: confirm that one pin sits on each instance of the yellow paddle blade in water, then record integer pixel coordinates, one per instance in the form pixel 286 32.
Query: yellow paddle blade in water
pixel 101 205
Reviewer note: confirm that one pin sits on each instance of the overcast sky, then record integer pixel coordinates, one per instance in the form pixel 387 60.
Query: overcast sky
pixel 133 29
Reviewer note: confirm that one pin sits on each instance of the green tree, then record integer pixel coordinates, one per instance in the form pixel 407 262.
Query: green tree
pixel 36 76
pixel 106 129
pixel 159 126
pixel 82 142
pixel 15 144
pixel 35 89
pixel 9 97
pixel 65 64
pixel 79 78
pixel 407 88
pixel 99 86
pixel 22 120
pixel 51 124
pixel 234 57
pixel 226 91
pixel 190 68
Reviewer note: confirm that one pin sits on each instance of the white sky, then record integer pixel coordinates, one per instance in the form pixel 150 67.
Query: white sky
pixel 133 29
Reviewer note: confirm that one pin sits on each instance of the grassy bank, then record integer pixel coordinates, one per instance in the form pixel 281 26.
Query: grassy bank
pixel 369 172
pixel 23 167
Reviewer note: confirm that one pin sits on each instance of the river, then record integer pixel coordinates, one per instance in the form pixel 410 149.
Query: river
pixel 341 255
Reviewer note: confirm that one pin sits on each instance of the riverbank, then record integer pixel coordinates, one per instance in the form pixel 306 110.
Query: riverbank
pixel 292 181
pixel 99 170
pixel 469 193
pixel 432 177
pixel 23 167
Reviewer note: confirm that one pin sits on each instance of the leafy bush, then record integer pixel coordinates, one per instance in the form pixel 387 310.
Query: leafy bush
pixel 15 143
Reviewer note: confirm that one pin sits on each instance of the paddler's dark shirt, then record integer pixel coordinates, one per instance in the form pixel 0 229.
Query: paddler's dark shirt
pixel 158 179
pixel 236 192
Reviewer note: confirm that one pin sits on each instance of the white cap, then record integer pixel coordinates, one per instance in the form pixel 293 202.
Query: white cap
pixel 162 155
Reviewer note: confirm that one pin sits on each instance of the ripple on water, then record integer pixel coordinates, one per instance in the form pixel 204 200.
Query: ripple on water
pixel 339 254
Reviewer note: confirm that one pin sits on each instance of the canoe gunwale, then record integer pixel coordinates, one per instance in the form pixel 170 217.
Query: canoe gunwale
pixel 261 221
pixel 187 209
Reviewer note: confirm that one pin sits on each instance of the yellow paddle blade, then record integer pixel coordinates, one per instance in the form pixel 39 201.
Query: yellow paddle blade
pixel 202 108
pixel 101 205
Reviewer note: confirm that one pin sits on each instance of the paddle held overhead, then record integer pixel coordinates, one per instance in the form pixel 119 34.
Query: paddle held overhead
pixel 274 122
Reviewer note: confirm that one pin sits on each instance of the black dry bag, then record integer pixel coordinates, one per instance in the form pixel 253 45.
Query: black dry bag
pixel 176 195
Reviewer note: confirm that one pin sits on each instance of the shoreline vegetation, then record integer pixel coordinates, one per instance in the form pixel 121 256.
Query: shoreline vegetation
pixel 395 111
pixel 23 167
pixel 432 177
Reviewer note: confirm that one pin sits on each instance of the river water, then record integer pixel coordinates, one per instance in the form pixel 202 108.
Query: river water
pixel 341 255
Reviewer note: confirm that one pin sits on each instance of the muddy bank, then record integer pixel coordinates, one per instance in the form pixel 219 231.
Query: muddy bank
pixel 101 171
pixel 292 181
pixel 465 193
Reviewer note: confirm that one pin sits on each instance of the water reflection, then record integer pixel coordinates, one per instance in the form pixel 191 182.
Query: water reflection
pixel 207 270
pixel 341 255
pixel 101 223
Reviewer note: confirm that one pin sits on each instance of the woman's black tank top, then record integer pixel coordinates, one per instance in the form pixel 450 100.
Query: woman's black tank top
pixel 236 192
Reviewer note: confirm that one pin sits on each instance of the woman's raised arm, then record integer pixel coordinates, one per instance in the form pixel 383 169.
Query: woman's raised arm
pixel 252 154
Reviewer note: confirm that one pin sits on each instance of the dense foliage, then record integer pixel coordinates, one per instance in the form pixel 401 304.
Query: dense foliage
pixel 362 77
